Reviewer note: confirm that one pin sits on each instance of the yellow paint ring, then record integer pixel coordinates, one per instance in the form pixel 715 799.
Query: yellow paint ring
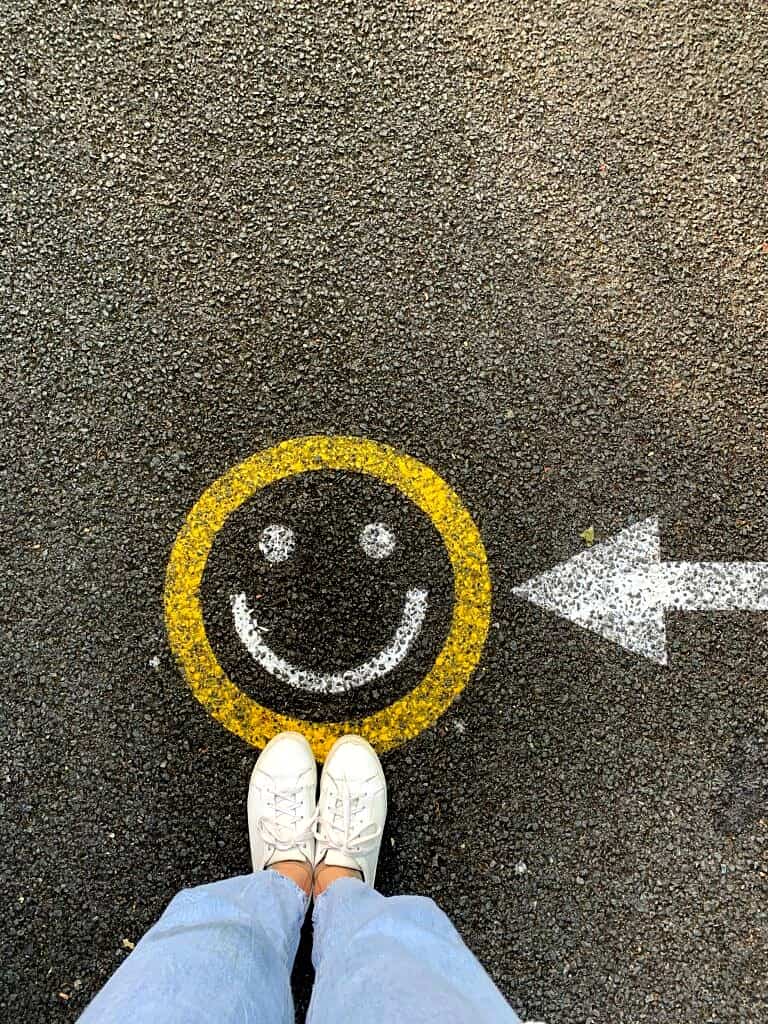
pixel 409 715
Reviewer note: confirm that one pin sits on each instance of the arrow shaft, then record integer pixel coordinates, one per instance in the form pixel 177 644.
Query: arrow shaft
pixel 713 586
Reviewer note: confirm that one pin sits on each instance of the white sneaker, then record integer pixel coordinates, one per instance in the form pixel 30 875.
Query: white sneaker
pixel 281 802
pixel 352 808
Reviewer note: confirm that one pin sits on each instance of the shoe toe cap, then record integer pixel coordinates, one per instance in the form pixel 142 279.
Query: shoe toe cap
pixel 353 758
pixel 287 753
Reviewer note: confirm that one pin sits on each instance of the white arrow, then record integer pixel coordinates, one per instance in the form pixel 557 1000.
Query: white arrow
pixel 621 589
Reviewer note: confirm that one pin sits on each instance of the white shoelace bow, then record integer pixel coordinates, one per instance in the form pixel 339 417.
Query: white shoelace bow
pixel 337 831
pixel 290 832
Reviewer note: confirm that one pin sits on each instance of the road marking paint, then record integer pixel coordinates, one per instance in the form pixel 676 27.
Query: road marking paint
pixel 381 664
pixel 277 543
pixel 407 716
pixel 377 541
pixel 621 589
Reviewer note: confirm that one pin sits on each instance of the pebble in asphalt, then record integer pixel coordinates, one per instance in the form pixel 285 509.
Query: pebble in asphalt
pixel 526 244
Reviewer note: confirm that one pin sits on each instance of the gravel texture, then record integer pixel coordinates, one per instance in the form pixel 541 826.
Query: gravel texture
pixel 526 243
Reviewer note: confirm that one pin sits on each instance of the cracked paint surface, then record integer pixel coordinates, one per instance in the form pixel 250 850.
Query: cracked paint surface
pixel 621 589
pixel 381 664
pixel 470 618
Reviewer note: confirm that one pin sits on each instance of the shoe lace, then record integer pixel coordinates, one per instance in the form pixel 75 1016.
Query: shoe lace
pixel 336 830
pixel 285 827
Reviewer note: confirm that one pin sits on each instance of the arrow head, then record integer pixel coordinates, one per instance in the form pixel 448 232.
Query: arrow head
pixel 612 589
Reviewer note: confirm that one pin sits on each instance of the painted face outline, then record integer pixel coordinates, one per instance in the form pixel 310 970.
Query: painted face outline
pixel 277 545
pixel 410 714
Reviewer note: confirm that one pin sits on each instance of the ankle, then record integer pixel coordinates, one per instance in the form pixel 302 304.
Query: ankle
pixel 327 874
pixel 299 872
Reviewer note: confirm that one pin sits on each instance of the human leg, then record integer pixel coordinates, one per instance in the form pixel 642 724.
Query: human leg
pixel 380 959
pixel 223 952
pixel 220 952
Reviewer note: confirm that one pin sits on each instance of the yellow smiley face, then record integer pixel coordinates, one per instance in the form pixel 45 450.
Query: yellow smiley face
pixel 451 670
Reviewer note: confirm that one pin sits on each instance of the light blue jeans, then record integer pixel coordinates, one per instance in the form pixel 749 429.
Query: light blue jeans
pixel 222 954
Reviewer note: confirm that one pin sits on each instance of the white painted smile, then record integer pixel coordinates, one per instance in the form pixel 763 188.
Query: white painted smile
pixel 252 636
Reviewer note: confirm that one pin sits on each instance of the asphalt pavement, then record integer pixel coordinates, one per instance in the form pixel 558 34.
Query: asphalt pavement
pixel 525 244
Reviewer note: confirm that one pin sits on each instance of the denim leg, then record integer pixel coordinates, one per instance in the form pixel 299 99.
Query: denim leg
pixel 379 960
pixel 221 952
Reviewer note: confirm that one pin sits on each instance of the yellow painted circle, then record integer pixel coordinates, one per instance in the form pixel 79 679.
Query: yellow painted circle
pixel 409 715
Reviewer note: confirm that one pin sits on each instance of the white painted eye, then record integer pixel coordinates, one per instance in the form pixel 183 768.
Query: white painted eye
pixel 277 542
pixel 377 540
